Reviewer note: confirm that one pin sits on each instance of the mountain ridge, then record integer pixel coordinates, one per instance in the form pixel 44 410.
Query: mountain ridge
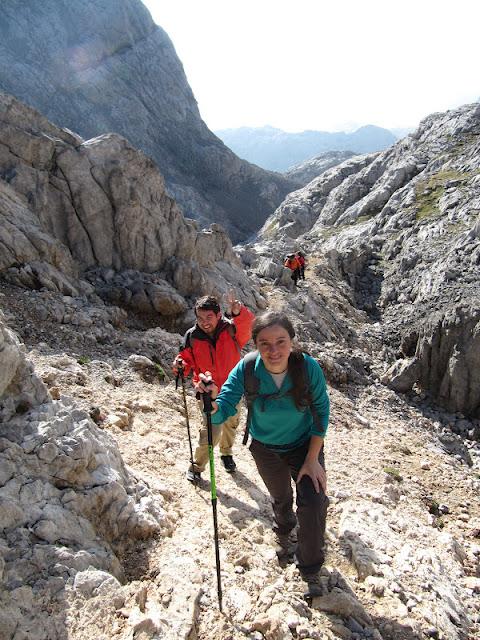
pixel 278 150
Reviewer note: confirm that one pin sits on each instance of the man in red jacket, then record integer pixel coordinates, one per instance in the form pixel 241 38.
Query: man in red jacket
pixel 214 344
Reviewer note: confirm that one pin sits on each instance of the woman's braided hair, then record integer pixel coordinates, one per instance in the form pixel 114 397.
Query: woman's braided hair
pixel 296 369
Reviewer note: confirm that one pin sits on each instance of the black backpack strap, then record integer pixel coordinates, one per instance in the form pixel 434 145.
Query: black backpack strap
pixel 251 385
pixel 187 340
pixel 305 382
pixel 187 344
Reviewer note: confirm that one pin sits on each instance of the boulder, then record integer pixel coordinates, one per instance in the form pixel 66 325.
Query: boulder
pixel 63 482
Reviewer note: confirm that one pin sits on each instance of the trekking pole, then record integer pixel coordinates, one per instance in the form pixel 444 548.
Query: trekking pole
pixel 181 376
pixel 207 407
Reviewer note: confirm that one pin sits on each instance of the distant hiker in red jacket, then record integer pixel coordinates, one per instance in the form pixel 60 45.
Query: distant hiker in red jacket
pixel 214 344
pixel 301 261
pixel 291 262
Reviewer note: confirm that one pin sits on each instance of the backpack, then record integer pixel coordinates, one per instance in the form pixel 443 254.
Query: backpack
pixel 252 385
pixel 290 263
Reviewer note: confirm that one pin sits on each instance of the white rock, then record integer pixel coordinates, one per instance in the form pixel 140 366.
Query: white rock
pixel 88 582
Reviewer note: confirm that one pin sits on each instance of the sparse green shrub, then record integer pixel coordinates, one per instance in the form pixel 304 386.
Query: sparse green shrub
pixel 364 218
pixel 327 232
pixel 433 506
pixel 393 473
pixel 438 523
pixel 160 372
pixel 83 360
pixel 428 192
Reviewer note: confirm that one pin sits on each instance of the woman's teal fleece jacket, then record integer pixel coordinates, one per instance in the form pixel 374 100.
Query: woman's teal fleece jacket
pixel 277 421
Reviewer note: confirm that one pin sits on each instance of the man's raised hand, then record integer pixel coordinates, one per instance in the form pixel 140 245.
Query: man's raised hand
pixel 233 304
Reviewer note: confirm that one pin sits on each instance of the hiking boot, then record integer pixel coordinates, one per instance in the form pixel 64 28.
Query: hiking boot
pixel 194 476
pixel 228 463
pixel 286 544
pixel 314 587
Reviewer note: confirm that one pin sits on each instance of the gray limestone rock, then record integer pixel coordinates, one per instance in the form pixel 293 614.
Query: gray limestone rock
pixel 448 359
pixel 64 483
pixel 402 375
pixel 89 582
pixel 99 208
pixel 401 228
pixel 19 390
pixel 306 171
pixel 300 211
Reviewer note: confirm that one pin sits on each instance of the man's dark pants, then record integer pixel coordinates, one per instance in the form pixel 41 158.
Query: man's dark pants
pixel 277 470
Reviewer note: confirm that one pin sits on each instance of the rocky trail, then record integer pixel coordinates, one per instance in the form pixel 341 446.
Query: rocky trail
pixel 403 524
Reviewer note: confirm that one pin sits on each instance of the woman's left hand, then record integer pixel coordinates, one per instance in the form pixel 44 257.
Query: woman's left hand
pixel 314 470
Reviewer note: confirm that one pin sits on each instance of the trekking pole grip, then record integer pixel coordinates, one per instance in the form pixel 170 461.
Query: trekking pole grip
pixel 207 401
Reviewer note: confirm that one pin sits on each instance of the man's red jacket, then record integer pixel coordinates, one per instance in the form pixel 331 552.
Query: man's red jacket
pixel 218 353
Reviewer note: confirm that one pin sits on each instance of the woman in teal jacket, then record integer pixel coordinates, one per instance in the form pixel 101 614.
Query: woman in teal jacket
pixel 288 422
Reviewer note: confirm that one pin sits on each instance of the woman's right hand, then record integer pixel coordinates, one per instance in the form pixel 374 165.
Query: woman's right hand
pixel 207 385
pixel 316 473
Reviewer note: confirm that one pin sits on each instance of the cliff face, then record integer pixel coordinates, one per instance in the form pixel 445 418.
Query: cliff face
pixel 74 210
pixel 402 228
pixel 310 169
pixel 106 67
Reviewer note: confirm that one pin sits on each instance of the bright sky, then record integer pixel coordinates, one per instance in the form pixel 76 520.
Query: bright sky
pixel 328 65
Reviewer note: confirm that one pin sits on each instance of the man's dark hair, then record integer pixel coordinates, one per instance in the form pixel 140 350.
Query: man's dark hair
pixel 207 303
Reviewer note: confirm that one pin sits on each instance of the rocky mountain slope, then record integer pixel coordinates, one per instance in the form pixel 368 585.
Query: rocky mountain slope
pixel 305 172
pixel 278 150
pixel 92 218
pixel 68 503
pixel 101 68
pixel 402 228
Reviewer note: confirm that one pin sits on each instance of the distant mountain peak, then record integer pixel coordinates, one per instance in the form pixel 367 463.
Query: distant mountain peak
pixel 278 150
